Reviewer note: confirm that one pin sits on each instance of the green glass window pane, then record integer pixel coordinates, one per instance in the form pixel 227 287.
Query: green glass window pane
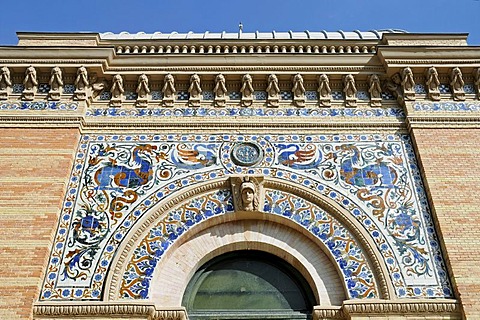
pixel 248 280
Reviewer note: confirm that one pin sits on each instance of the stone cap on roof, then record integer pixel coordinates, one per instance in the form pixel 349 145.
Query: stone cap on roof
pixel 288 35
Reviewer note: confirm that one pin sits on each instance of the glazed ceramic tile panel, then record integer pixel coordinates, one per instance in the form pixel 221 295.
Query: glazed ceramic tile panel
pixel 39 105
pixel 246 112
pixel 447 107
pixel 117 179
pixel 348 256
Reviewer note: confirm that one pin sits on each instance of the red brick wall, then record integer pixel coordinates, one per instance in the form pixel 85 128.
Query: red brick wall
pixel 34 168
pixel 451 161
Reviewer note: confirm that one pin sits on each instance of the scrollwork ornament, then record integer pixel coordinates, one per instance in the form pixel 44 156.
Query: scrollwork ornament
pixel 30 83
pixel 169 90
pixel 81 83
pixel 408 84
pixel 142 90
pixel 247 90
pixel 298 90
pixel 350 91
pixel 117 91
pixel 433 84
pixel 476 76
pixel 457 83
pixel 220 91
pixel 394 86
pixel 324 91
pixel 56 83
pixel 375 90
pixel 195 91
pixel 273 91
pixel 5 83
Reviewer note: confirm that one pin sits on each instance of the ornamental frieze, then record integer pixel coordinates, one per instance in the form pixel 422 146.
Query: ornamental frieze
pixel 118 180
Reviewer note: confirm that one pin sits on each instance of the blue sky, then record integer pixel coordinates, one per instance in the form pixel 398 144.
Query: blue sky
pixel 458 16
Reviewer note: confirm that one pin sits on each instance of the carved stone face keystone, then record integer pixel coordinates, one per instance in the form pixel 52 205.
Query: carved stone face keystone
pixel 248 192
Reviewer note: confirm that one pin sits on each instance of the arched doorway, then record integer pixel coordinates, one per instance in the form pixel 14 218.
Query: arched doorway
pixel 248 284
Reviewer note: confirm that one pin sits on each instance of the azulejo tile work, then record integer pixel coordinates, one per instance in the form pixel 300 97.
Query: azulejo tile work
pixel 246 112
pixel 39 105
pixel 447 107
pixel 117 179
pixel 349 257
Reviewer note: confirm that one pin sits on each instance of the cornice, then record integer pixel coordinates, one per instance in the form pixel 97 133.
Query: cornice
pixel 401 307
pixel 444 122
pixel 248 68
pixel 21 53
pixel 327 313
pixel 146 310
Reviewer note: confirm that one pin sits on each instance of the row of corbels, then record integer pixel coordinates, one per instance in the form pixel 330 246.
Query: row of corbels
pixel 85 86
pixel 192 49
pixel 402 84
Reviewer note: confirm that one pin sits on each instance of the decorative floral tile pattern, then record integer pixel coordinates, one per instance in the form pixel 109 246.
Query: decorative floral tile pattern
pixel 157 95
pixel 363 95
pixel 129 95
pixel 469 88
pixel 348 255
pixel 235 95
pixel 387 96
pixel 311 95
pixel 444 88
pixel 208 95
pixel 260 95
pixel 18 88
pixel 182 95
pixel 246 112
pixel 69 88
pixel 43 88
pixel 420 89
pixel 105 95
pixel 286 95
pixel 39 105
pixel 337 95
pixel 447 107
pixel 118 179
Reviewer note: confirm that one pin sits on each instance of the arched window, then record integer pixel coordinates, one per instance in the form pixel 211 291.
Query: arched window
pixel 248 285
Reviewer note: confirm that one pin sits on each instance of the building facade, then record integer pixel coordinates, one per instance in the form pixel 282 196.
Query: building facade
pixel 283 175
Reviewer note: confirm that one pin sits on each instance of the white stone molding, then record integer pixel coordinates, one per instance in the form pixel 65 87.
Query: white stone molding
pixel 246 231
pixel 101 310
pixel 351 309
